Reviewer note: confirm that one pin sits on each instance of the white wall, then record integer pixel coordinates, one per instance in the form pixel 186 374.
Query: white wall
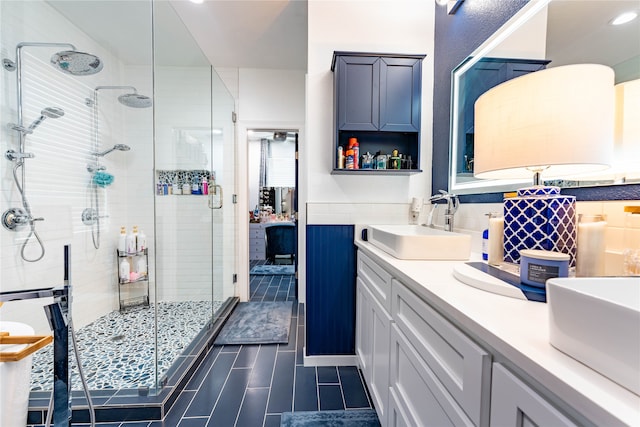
pixel 56 178
pixel 267 99
pixel 394 26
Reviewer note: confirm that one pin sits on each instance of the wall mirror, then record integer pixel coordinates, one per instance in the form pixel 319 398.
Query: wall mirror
pixel 543 34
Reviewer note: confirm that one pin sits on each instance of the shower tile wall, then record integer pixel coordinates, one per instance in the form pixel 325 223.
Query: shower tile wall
pixel 57 178
pixel 192 237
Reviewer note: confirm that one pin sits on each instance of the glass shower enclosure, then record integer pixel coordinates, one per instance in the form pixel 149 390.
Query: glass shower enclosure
pixel 143 146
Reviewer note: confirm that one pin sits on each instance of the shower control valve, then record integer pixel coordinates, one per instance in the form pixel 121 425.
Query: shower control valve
pixel 15 217
pixel 13 155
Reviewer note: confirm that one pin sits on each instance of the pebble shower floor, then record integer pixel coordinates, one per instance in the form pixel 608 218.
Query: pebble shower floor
pixel 117 350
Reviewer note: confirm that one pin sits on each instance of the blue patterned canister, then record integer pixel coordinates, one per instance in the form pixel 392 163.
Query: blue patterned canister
pixel 539 218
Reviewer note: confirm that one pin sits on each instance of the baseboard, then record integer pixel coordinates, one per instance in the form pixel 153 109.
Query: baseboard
pixel 330 360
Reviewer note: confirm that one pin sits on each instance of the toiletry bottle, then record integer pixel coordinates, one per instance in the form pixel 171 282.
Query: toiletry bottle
pixel 631 251
pixel 353 144
pixel 485 243
pixel 205 186
pixel 131 243
pixel 141 242
pixel 141 266
pixel 124 270
pixel 169 189
pixel 340 158
pixel 349 159
pixel 135 238
pixel 122 241
pixel 186 189
pixel 495 243
pixel 195 188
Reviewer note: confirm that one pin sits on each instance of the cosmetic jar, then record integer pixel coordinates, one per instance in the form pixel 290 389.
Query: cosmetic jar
pixel 536 266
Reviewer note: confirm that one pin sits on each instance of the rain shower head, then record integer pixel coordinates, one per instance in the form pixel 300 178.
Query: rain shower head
pixel 68 61
pixel 135 100
pixel 50 112
pixel 132 99
pixel 76 63
pixel 119 147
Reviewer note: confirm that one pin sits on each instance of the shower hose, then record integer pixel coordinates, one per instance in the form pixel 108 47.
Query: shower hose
pixel 27 208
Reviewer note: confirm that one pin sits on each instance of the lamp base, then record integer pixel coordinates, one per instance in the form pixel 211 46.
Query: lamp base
pixel 539 218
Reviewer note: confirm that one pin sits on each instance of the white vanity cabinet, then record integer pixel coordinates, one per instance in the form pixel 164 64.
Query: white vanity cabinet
pixel 454 368
pixel 437 376
pixel 515 404
pixel 456 356
pixel 373 323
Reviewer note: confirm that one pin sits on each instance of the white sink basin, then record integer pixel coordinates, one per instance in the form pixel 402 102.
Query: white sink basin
pixel 597 321
pixel 419 242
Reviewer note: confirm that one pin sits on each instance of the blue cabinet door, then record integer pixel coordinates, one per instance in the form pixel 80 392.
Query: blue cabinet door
pixel 331 290
pixel 400 94
pixel 358 92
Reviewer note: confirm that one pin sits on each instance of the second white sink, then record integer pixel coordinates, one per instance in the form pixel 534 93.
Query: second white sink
pixel 596 320
pixel 419 242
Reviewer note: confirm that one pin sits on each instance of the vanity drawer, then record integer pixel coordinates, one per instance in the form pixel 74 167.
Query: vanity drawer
pixel 419 395
pixel 256 231
pixel 462 367
pixel 376 279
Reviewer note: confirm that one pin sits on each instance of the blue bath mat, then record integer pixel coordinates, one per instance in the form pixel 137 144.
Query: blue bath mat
pixel 354 418
pixel 272 270
pixel 257 323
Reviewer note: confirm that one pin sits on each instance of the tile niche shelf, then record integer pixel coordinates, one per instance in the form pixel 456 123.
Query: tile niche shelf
pixel 377 99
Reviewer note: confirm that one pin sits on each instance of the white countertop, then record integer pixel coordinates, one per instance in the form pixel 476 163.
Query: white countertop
pixel 518 330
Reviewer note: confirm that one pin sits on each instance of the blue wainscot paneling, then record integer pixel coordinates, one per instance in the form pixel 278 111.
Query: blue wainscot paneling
pixel 331 278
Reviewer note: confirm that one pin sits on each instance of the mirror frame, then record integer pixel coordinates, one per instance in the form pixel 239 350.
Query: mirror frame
pixel 482 190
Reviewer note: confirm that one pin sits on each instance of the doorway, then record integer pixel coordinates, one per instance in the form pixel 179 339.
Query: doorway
pixel 272 202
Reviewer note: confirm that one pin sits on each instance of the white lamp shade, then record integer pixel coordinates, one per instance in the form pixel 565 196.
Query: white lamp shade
pixel 559 121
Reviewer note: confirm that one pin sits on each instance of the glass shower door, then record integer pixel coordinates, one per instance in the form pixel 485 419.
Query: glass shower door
pixel 194 184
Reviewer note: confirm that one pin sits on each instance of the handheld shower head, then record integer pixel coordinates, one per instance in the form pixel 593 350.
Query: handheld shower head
pixel 51 112
pixel 119 147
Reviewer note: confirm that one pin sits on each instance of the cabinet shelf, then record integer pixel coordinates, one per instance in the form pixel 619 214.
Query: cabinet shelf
pixel 381 172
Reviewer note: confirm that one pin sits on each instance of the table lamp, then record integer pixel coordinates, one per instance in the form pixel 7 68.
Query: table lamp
pixel 557 121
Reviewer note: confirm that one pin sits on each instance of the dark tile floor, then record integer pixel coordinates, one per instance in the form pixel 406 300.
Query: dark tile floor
pixel 251 385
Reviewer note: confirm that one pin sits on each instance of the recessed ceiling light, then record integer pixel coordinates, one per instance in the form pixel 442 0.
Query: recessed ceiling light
pixel 623 18
pixel 197 1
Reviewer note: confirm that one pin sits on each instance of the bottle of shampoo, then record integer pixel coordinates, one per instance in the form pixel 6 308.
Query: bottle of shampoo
pixel 124 270
pixel 131 243
pixel 141 242
pixel 141 266
pixel 122 241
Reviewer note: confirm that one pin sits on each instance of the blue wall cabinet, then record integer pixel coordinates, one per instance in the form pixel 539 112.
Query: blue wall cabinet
pixel 377 99
pixel 331 290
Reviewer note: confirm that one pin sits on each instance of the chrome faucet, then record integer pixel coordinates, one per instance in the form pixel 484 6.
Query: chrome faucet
pixel 452 206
